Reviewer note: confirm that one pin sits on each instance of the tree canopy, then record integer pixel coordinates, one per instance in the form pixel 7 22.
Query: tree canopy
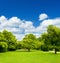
pixel 28 41
pixel 52 37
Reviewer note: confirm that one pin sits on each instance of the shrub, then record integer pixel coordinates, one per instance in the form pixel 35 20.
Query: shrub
pixel 12 47
pixel 44 48
pixel 19 45
pixel 3 46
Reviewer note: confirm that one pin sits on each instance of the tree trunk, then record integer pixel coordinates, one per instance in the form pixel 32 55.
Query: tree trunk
pixel 28 49
pixel 55 51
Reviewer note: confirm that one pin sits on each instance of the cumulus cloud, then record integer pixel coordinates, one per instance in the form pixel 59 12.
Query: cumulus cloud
pixel 16 25
pixel 55 21
pixel 22 27
pixel 43 16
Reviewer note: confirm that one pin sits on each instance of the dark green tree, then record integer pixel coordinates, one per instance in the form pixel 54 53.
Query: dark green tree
pixel 3 46
pixel 52 37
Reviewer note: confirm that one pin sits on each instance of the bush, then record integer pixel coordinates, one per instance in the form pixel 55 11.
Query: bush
pixel 44 48
pixel 12 47
pixel 3 46
pixel 19 45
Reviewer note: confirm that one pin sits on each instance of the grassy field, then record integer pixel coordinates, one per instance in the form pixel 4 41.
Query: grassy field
pixel 29 57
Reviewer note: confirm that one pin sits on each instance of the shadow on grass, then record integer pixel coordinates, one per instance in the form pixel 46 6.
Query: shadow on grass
pixel 51 53
pixel 22 50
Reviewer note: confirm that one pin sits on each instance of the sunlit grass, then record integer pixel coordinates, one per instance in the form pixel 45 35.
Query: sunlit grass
pixel 29 57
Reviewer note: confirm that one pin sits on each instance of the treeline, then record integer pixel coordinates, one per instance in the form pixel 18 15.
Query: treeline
pixel 49 40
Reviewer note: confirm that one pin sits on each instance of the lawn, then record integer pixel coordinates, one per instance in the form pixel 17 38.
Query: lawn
pixel 29 57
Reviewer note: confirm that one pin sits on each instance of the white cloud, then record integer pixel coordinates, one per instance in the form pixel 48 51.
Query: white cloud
pixel 55 21
pixel 43 16
pixel 43 25
pixel 16 25
pixel 3 19
pixel 21 27
pixel 19 36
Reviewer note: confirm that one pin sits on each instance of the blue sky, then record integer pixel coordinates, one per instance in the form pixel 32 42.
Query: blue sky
pixel 30 9
pixel 29 12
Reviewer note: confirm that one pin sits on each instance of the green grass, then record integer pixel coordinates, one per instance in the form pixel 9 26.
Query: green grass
pixel 29 57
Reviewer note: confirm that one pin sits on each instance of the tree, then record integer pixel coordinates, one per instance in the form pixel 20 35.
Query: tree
pixel 52 37
pixel 28 41
pixel 19 45
pixel 3 46
pixel 38 44
pixel 30 36
pixel 2 37
pixel 10 39
pixel 45 39
pixel 12 47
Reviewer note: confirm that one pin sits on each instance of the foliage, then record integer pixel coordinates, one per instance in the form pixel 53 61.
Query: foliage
pixel 28 41
pixel 52 37
pixel 12 47
pixel 30 36
pixel 2 37
pixel 38 44
pixel 48 41
pixel 3 47
pixel 44 48
pixel 10 39
pixel 27 44
pixel 19 45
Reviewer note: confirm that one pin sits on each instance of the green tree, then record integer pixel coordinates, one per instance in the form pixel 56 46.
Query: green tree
pixel 30 36
pixel 52 37
pixel 19 45
pixel 28 41
pixel 10 39
pixel 2 37
pixel 37 44
pixel 3 46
